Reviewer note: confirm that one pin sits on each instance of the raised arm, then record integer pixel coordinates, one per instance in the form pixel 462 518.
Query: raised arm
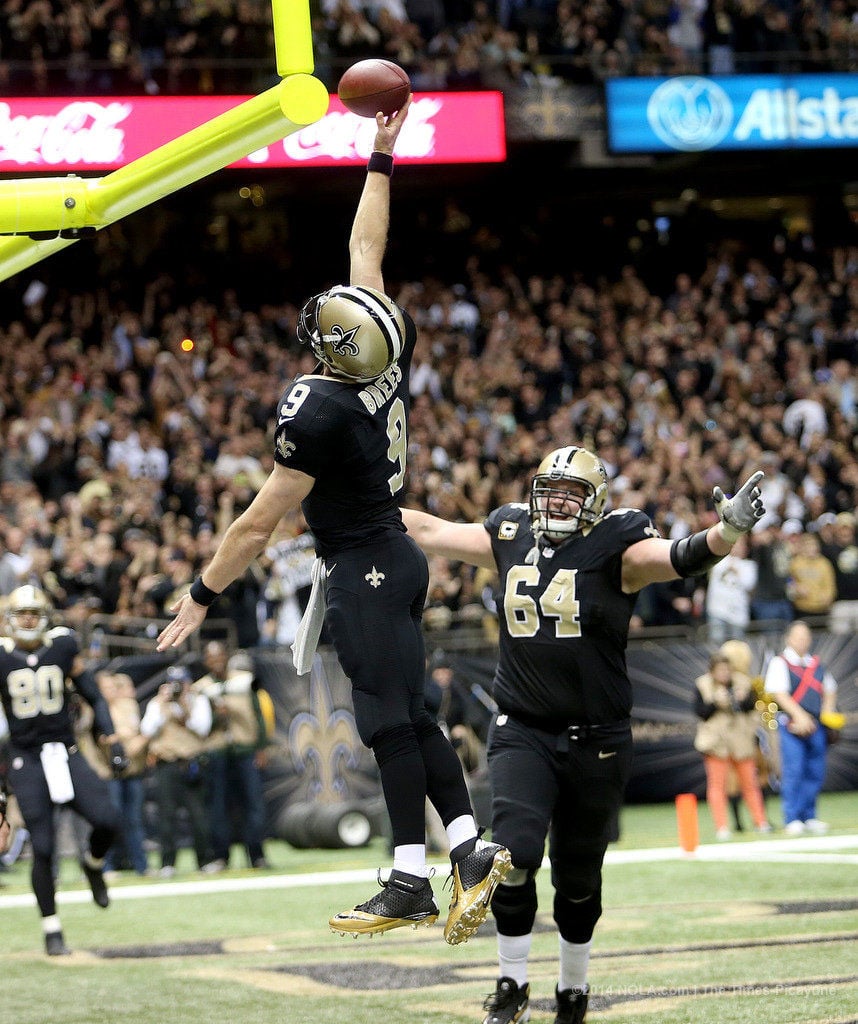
pixel 657 560
pixel 461 542
pixel 372 217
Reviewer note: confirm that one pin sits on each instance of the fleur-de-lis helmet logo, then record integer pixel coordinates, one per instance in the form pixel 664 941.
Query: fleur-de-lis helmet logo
pixel 342 341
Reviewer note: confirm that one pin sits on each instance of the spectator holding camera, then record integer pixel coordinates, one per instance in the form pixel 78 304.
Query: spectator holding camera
pixel 236 753
pixel 724 702
pixel 176 723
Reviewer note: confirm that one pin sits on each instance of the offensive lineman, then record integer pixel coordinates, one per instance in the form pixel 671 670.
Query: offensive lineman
pixel 340 450
pixel 560 748
pixel 45 766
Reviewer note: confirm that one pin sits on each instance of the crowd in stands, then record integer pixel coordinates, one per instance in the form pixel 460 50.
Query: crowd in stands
pixel 123 456
pixel 102 47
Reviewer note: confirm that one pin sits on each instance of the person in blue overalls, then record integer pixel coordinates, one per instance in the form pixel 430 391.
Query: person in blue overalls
pixel 803 689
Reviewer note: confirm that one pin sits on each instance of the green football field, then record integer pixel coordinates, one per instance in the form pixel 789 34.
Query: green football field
pixel 755 931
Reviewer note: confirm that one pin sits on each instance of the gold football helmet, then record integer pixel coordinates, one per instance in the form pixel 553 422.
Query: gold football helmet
pixel 570 464
pixel 356 331
pixel 28 601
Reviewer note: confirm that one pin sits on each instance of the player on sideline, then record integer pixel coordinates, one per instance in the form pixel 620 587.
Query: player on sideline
pixel 560 748
pixel 45 766
pixel 340 449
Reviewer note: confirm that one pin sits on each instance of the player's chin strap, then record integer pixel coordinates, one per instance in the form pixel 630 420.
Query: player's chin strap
pixel 532 556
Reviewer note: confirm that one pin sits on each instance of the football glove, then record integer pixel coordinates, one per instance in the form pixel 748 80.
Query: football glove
pixel 739 514
pixel 119 762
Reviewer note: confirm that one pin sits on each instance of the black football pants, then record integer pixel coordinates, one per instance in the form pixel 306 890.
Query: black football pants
pixel 375 596
pixel 91 801
pixel 574 788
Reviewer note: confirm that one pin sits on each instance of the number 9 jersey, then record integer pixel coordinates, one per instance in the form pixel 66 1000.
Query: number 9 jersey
pixel 352 439
pixel 564 619
pixel 33 688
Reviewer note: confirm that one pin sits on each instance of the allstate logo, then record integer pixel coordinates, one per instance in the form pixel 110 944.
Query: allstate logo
pixel 690 113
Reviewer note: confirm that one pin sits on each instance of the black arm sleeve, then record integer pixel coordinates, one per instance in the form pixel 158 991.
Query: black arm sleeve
pixel 692 555
pixel 749 703
pixel 702 708
pixel 87 687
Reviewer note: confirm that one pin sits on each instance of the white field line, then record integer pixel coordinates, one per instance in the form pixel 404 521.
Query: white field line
pixel 803 850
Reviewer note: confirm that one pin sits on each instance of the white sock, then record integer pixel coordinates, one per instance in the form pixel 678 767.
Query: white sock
pixel 574 961
pixel 411 859
pixel 513 951
pixel 460 830
pixel 51 924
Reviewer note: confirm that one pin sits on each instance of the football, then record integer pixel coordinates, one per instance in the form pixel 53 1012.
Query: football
pixel 374 85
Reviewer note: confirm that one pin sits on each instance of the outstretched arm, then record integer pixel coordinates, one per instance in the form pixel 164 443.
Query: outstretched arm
pixel 462 542
pixel 369 229
pixel 656 560
pixel 242 542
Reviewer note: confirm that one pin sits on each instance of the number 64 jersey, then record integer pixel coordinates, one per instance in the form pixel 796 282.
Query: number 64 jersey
pixel 352 439
pixel 564 620
pixel 33 688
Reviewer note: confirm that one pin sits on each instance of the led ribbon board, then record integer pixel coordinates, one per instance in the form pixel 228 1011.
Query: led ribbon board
pixel 692 113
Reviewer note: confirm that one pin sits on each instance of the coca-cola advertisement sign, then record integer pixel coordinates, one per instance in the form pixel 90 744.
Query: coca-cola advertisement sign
pixel 103 133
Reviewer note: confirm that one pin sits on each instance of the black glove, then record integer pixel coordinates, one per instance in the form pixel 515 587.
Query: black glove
pixel 119 762
pixel 740 513
pixel 4 803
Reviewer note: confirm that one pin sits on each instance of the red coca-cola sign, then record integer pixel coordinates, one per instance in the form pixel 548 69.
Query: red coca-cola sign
pixel 103 133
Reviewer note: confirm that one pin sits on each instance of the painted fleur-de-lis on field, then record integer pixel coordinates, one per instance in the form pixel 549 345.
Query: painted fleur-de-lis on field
pixel 374 578
pixel 324 742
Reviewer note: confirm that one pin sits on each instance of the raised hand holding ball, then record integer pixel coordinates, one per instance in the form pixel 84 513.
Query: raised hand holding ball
pixel 372 86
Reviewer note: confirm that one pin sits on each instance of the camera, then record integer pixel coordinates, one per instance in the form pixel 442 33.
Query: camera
pixel 176 679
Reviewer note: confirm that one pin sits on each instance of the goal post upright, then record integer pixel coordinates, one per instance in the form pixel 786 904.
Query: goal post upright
pixel 72 205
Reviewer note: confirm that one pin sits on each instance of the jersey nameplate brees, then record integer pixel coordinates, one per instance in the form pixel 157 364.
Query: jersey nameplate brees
pixel 382 389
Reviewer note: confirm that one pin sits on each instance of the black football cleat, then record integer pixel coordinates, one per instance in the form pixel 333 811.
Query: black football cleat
pixel 508 1003
pixel 475 879
pixel 404 900
pixel 572 1005
pixel 95 877
pixel 55 944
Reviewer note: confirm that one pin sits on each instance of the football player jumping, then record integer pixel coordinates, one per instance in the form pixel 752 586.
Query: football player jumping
pixel 45 766
pixel 340 450
pixel 560 748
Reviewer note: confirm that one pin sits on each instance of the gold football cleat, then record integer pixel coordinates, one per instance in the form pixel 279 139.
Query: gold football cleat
pixel 475 879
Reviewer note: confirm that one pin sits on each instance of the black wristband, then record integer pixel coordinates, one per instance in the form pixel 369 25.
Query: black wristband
pixel 381 162
pixel 692 555
pixel 201 593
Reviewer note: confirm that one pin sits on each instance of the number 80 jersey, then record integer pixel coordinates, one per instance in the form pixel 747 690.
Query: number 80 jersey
pixel 33 688
pixel 564 620
pixel 352 439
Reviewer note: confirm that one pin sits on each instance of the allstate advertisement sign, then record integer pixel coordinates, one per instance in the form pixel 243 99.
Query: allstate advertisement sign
pixel 691 114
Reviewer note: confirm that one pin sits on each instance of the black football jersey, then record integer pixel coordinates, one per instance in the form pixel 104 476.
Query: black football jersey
pixel 33 688
pixel 564 621
pixel 352 439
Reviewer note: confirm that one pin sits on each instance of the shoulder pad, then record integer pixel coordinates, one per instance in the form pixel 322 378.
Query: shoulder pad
pixel 620 512
pixel 59 631
pixel 7 643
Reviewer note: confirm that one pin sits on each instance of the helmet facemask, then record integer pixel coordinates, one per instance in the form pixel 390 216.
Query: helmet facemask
pixel 552 504
pixel 357 332
pixel 30 602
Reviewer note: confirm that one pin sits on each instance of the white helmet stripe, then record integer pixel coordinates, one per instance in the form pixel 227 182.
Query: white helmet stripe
pixel 381 313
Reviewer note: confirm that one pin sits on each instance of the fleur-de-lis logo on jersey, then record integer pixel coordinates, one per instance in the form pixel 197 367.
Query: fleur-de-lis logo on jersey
pixel 374 578
pixel 285 447
pixel 342 342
